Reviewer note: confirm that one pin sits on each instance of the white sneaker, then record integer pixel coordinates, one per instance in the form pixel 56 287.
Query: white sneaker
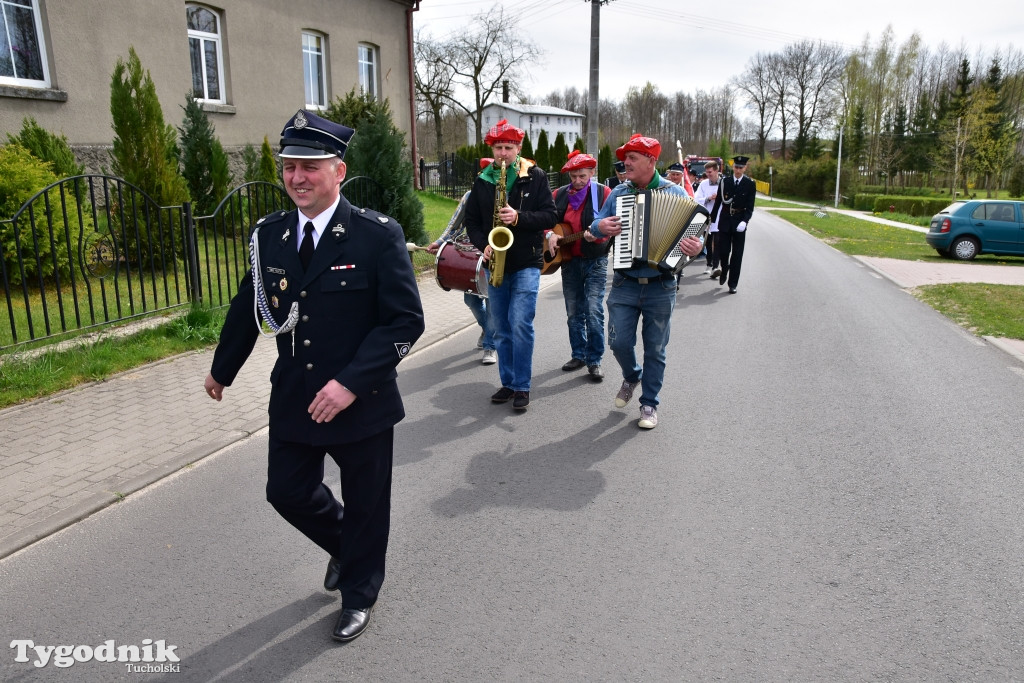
pixel 716 272
pixel 707 271
pixel 490 357
pixel 648 417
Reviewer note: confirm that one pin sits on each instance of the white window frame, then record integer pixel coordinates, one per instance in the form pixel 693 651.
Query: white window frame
pixel 369 69
pixel 41 39
pixel 309 54
pixel 203 37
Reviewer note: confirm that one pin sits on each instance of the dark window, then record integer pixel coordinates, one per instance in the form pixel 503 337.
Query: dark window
pixel 21 48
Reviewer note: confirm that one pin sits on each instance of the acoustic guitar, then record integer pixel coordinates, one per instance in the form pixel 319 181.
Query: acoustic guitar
pixel 553 263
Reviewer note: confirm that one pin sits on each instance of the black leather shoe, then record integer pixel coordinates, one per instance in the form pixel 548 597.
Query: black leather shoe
pixel 732 290
pixel 333 575
pixel 573 364
pixel 351 624
pixel 596 373
pixel 724 276
pixel 521 400
pixel 502 395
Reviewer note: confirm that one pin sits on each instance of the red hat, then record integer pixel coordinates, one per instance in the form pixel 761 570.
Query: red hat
pixel 485 162
pixel 638 143
pixel 578 160
pixel 504 131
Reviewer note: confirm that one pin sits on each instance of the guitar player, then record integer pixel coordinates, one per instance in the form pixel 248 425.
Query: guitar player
pixel 583 260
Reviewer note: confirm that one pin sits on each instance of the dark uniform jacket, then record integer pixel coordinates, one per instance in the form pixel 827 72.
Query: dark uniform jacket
pixel 742 207
pixel 531 197
pixel 587 249
pixel 359 315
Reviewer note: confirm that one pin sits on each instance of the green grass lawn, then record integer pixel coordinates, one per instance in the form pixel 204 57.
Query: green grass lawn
pixel 992 310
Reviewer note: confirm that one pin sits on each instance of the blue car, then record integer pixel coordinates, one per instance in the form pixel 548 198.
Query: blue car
pixel 965 229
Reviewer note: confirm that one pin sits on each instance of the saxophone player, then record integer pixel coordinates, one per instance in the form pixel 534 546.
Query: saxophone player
pixel 528 212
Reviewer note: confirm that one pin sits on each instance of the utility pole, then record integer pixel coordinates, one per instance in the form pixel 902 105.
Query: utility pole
pixel 839 165
pixel 595 72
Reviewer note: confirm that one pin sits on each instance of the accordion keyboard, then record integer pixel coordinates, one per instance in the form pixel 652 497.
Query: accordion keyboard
pixel 622 245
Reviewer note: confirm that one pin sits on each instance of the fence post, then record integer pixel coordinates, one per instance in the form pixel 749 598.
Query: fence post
pixel 195 286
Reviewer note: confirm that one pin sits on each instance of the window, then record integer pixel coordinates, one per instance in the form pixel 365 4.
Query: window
pixel 22 54
pixel 313 73
pixel 368 69
pixel 206 51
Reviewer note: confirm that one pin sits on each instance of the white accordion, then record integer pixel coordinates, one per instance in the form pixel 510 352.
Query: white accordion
pixel 653 224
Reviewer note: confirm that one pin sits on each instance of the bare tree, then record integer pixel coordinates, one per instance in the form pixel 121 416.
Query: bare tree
pixel 780 81
pixel 755 83
pixel 491 50
pixel 434 85
pixel 814 69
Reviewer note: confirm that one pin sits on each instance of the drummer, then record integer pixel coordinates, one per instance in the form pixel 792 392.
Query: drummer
pixel 456 232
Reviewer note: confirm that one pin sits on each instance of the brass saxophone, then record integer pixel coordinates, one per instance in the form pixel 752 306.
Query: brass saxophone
pixel 500 237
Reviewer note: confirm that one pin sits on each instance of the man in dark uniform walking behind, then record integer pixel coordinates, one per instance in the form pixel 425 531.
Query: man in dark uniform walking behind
pixel 334 284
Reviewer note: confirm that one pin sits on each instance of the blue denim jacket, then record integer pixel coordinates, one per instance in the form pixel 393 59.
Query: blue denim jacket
pixel 608 209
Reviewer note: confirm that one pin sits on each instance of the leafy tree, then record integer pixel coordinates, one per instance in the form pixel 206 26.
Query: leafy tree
pixel 604 163
pixel 378 151
pixel 1016 184
pixel 144 147
pixel 268 171
pixel 22 175
pixel 527 147
pixel 559 153
pixel 204 163
pixel 251 163
pixel 543 154
pixel 720 148
pixel 580 144
pixel 47 146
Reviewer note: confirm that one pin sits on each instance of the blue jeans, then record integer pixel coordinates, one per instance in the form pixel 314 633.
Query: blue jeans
pixel 583 282
pixel 478 304
pixel 513 306
pixel 628 300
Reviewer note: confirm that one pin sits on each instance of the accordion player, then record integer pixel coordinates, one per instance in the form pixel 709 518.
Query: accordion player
pixel 653 224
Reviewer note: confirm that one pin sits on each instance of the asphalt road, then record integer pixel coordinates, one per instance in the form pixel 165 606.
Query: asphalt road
pixel 832 493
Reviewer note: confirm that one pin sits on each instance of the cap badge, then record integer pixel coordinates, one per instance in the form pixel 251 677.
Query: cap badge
pixel 300 121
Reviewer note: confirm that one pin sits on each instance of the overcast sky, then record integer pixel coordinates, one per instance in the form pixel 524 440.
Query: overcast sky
pixel 711 42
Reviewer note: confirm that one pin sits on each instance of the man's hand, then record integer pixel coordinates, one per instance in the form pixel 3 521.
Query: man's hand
pixel 330 401
pixel 508 215
pixel 691 246
pixel 214 389
pixel 433 247
pixel 552 243
pixel 611 226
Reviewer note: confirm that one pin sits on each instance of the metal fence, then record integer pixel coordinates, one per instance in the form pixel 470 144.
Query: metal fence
pixel 92 250
pixel 453 176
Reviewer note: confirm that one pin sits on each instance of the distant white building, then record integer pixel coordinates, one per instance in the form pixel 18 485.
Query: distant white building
pixel 533 118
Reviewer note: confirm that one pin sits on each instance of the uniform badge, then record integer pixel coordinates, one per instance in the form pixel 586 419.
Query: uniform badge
pixel 300 121
pixel 283 284
pixel 403 349
pixel 286 235
pixel 275 271
pixel 274 302
pixel 382 219
pixel 338 231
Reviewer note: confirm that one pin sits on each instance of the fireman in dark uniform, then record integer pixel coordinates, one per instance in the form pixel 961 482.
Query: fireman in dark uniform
pixel 335 285
pixel 735 207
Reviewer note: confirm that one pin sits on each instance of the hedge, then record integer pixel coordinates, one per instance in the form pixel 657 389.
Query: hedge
pixel 912 206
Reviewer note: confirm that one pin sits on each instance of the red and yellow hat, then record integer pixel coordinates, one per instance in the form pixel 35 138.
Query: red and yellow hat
pixel 503 131
pixel 638 143
pixel 578 160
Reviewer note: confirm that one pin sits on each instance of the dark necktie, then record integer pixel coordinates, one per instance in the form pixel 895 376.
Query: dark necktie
pixel 306 248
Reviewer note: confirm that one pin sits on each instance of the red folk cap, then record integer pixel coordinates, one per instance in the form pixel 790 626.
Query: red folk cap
pixel 578 160
pixel 504 131
pixel 638 143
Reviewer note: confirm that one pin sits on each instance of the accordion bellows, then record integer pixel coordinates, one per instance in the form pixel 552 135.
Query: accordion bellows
pixel 653 223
